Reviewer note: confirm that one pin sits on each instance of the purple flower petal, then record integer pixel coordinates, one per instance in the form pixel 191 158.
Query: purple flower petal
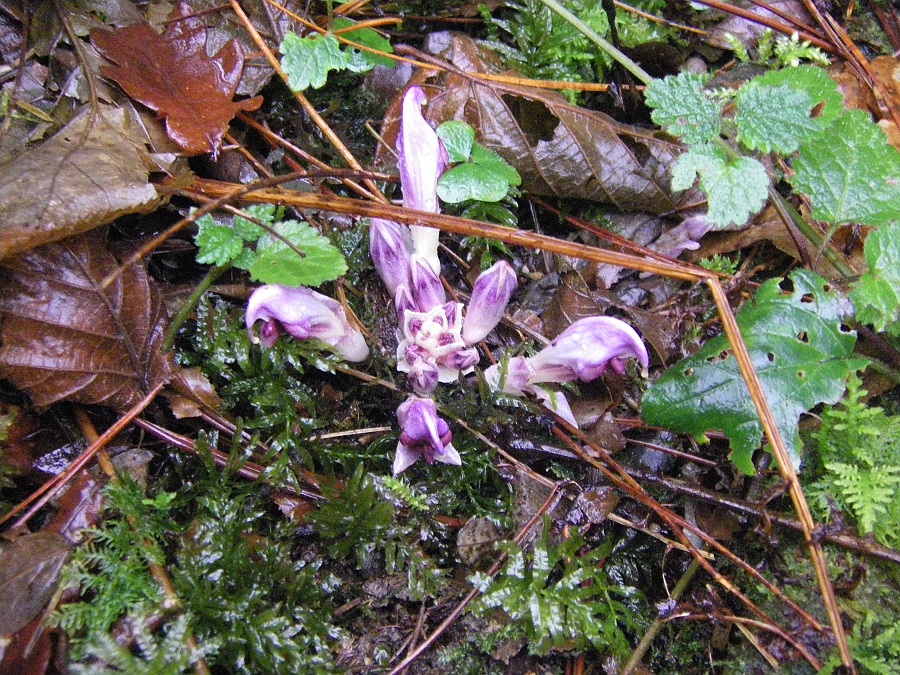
pixel 426 286
pixel 423 434
pixel 490 295
pixel 389 246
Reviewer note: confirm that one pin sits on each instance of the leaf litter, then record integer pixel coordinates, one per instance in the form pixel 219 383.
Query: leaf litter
pixel 560 150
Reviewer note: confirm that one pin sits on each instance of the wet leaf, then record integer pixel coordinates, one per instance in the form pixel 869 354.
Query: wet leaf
pixel 63 337
pixel 800 350
pixel 29 571
pixel 276 263
pixel 173 75
pixel 88 174
pixel 557 148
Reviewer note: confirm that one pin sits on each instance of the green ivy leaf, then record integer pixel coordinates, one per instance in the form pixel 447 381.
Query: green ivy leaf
pixel 458 138
pixel 219 245
pixel 276 263
pixel 307 61
pixel 735 187
pixel 491 160
pixel 800 350
pixel 359 61
pixel 471 181
pixel 681 106
pixel 815 82
pixel 876 295
pixel 773 118
pixel 850 172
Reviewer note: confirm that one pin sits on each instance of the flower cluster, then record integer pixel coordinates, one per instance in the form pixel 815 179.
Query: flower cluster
pixel 437 336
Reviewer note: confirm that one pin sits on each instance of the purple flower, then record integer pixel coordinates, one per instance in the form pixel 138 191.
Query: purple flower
pixel 389 246
pixel 433 337
pixel 423 434
pixel 426 287
pixel 422 161
pixel 490 295
pixel 305 315
pixel 585 349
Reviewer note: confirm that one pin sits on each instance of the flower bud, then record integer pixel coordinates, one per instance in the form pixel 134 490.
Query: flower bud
pixel 490 295
pixel 426 287
pixel 389 247
pixel 305 315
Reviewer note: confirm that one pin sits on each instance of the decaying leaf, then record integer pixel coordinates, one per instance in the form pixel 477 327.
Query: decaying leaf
pixel 29 571
pixel 173 75
pixel 88 174
pixel 64 337
pixel 558 149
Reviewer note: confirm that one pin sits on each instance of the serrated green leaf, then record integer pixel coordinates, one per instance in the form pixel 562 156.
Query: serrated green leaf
pixel 458 138
pixel 773 118
pixel 850 172
pixel 736 187
pixel 491 160
pixel 276 263
pixel 360 61
pixel 815 82
pixel 801 352
pixel 681 106
pixel 876 295
pixel 307 61
pixel 250 231
pixel 471 181
pixel 218 244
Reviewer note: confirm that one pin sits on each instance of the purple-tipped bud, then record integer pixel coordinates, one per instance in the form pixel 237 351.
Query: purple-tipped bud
pixel 427 290
pixel 404 302
pixel 585 349
pixel 490 295
pixel 423 434
pixel 303 314
pixel 389 246
pixel 422 160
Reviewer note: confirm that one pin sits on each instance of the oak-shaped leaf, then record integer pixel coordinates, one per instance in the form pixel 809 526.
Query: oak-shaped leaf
pixel 63 336
pixel 173 75
pixel 800 349
pixel 88 174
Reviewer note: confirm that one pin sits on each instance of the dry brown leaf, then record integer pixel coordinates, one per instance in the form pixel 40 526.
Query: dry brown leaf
pixel 559 149
pixel 64 337
pixel 88 174
pixel 29 571
pixel 173 75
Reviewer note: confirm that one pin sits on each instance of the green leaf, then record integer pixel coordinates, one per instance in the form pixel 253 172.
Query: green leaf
pixel 815 82
pixel 307 61
pixel 276 263
pixel 360 61
pixel 801 352
pixel 735 187
pixel 491 160
pixel 773 118
pixel 250 231
pixel 471 181
pixel 681 106
pixel 850 172
pixel 458 138
pixel 876 295
pixel 219 245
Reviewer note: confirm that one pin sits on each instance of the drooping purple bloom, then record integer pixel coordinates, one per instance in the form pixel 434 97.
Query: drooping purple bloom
pixel 492 290
pixel 422 160
pixel 305 315
pixel 585 349
pixel 423 434
pixel 389 246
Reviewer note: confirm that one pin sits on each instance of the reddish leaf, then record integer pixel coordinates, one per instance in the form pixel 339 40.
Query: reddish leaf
pixel 29 571
pixel 64 337
pixel 172 74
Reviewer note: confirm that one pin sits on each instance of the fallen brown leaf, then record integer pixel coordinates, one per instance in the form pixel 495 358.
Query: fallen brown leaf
pixel 173 75
pixel 65 337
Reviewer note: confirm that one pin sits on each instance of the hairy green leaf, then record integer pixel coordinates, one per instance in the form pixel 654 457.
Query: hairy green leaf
pixel 800 350
pixel 850 172
pixel 307 61
pixel 815 82
pixel 736 187
pixel 773 118
pixel 219 245
pixel 360 61
pixel 877 294
pixel 277 263
pixel 680 105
